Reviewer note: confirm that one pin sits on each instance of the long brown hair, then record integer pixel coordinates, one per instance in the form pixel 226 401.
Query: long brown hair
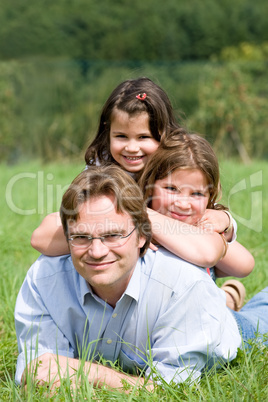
pixel 183 151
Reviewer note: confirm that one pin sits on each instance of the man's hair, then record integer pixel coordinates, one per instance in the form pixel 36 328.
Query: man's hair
pixel 104 181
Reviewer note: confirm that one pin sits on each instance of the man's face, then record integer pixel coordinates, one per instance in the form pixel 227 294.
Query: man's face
pixel 106 269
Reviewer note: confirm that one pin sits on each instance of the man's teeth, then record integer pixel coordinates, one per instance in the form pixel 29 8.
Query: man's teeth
pixel 133 158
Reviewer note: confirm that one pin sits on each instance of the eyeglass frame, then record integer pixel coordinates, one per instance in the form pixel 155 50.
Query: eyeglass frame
pixel 101 238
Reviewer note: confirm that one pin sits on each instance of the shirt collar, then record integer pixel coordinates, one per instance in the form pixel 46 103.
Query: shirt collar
pixel 84 289
pixel 132 290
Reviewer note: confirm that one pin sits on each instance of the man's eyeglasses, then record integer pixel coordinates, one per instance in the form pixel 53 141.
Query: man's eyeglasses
pixel 109 240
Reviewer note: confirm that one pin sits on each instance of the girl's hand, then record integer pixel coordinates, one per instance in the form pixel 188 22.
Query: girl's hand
pixel 216 220
pixel 153 247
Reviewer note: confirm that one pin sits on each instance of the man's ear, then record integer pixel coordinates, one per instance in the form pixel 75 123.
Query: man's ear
pixel 141 242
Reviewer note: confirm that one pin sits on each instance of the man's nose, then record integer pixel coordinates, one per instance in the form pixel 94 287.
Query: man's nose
pixel 97 249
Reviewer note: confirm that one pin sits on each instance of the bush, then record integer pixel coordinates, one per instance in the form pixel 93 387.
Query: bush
pixel 231 112
pixel 50 108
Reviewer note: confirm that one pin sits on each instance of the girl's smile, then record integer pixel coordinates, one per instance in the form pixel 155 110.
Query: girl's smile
pixel 131 141
pixel 182 195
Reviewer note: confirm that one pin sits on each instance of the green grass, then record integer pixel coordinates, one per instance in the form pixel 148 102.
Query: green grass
pixel 32 190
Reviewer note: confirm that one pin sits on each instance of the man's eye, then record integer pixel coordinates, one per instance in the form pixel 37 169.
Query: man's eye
pixel 198 194
pixel 79 240
pixel 112 236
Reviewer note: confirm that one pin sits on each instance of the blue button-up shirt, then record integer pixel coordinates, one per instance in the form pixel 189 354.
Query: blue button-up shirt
pixel 171 317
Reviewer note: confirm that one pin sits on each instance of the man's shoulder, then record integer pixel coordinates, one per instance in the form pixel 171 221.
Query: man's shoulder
pixel 169 269
pixel 46 267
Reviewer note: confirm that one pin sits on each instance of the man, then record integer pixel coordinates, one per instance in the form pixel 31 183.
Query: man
pixel 155 314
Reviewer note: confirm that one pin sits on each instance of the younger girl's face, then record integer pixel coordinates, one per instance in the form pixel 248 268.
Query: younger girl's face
pixel 131 141
pixel 182 195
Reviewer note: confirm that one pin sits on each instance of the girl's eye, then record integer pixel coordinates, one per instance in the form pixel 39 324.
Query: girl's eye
pixel 171 188
pixel 120 136
pixel 145 137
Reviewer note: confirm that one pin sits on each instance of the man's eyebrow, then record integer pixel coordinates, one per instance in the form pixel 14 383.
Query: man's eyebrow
pixel 117 230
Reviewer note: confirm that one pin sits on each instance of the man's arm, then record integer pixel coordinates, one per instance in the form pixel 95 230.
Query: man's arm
pixel 36 330
pixel 195 328
pixel 52 369
pixel 44 349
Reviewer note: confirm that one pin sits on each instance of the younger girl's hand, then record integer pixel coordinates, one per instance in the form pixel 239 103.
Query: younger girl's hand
pixel 215 219
pixel 153 247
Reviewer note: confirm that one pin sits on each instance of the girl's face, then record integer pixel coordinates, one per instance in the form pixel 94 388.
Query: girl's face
pixel 182 195
pixel 131 141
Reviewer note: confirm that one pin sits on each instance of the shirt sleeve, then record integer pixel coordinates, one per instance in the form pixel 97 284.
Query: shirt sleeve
pixel 36 331
pixel 191 334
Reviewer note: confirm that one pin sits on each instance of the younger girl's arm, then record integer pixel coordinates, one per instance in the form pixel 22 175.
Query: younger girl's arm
pixel 238 262
pixel 49 238
pixel 192 243
pixel 201 247
pixel 221 221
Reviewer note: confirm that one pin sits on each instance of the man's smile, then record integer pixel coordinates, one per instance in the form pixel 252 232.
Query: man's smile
pixel 100 264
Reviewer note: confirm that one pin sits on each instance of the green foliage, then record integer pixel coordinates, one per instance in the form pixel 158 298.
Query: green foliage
pixel 44 111
pixel 109 30
pixel 244 51
pixel 50 110
pixel 60 60
pixel 231 112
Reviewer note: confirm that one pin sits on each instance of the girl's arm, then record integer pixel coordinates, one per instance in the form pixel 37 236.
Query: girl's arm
pixel 49 238
pixel 221 221
pixel 200 246
pixel 238 262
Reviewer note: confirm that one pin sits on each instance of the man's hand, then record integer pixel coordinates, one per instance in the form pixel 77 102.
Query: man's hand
pixel 50 369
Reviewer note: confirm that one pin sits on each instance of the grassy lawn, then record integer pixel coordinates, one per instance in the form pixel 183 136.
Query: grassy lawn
pixel 31 190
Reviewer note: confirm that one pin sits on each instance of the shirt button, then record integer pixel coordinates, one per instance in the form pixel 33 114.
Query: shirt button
pixel 114 315
pixel 109 341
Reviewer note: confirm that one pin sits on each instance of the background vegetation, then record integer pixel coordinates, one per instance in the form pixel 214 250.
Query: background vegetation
pixel 147 31
pixel 60 60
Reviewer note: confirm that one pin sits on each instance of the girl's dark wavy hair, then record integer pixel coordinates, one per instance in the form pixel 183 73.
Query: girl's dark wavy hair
pixel 157 104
